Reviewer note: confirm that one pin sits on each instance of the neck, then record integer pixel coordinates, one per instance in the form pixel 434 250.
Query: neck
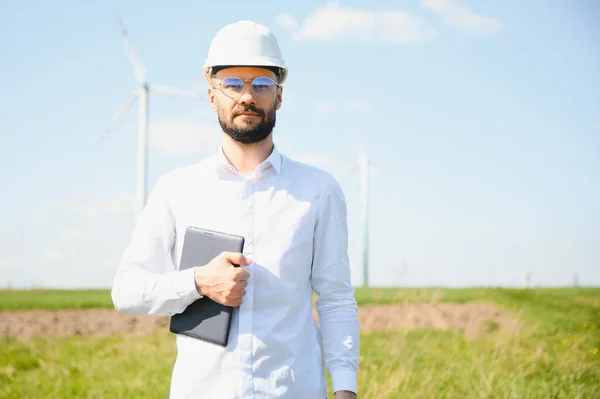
pixel 246 157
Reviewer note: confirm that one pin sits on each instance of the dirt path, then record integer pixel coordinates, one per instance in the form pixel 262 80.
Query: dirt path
pixel 472 318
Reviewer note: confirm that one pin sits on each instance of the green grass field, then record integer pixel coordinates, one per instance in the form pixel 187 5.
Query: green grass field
pixel 556 355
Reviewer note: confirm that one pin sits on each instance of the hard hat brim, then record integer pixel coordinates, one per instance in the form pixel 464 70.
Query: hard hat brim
pixel 262 63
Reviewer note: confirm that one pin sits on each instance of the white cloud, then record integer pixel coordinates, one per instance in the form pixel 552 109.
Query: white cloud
pixel 96 206
pixel 6 263
pixel 333 23
pixel 402 27
pixel 65 241
pixel 53 253
pixel 462 16
pixel 286 21
pixel 178 137
pixel 70 235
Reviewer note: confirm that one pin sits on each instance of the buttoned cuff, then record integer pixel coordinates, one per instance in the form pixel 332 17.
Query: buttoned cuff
pixel 185 285
pixel 344 380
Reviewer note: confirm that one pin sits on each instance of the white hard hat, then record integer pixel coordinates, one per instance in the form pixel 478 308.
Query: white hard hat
pixel 245 43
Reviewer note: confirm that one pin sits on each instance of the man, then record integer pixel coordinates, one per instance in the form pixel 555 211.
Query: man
pixel 293 219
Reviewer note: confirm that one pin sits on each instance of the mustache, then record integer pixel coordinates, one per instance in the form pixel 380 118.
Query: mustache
pixel 249 108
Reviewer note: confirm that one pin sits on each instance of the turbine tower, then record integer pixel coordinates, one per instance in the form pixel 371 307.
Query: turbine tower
pixel 141 94
pixel 527 278
pixel 365 166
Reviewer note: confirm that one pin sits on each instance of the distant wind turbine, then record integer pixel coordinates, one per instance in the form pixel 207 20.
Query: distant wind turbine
pixel 364 168
pixel 527 278
pixel 141 94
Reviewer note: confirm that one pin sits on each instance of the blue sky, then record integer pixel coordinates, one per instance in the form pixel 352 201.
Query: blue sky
pixel 483 116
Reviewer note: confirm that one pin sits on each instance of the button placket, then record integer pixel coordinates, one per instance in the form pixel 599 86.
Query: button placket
pixel 246 309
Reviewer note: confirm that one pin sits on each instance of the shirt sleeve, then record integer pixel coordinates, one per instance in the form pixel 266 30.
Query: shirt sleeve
pixel 336 305
pixel 143 284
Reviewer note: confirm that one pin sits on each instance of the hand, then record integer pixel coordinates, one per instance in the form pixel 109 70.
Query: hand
pixel 345 395
pixel 221 281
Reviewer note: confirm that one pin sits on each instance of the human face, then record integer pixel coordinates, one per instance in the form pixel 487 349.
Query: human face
pixel 249 117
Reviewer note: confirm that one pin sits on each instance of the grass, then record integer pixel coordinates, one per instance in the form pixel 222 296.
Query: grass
pixel 441 364
pixel 87 367
pixel 554 356
pixel 54 299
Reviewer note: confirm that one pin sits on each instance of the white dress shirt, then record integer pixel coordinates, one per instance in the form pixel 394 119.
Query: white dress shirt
pixel 293 219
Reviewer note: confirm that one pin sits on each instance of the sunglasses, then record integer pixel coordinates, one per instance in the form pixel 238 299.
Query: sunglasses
pixel 233 87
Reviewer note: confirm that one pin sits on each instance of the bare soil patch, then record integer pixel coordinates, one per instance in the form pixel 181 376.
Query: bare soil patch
pixel 26 324
pixel 472 318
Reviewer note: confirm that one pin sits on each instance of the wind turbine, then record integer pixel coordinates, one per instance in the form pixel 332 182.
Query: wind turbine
pixel 364 168
pixel 141 94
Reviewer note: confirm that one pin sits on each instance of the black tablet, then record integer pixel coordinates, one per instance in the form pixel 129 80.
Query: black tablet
pixel 204 318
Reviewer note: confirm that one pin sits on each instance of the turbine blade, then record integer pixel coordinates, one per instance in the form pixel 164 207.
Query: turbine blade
pixel 119 115
pixel 136 64
pixel 173 91
pixel 353 170
pixel 376 167
pixel 359 147
pixel 363 159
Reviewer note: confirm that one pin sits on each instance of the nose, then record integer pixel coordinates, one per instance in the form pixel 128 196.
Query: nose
pixel 247 96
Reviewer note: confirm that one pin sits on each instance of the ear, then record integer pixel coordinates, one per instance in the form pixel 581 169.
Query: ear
pixel 279 98
pixel 212 98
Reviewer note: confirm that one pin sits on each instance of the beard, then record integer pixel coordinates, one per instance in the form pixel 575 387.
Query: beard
pixel 255 131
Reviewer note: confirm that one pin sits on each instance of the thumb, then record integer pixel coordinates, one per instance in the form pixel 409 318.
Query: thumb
pixel 236 258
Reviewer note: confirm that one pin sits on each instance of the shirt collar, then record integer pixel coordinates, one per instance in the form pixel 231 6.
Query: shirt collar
pixel 273 160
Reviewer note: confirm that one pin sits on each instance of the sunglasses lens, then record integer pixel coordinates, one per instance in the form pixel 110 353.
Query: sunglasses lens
pixel 232 86
pixel 263 85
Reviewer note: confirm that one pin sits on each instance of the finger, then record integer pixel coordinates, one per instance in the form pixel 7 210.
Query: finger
pixel 235 294
pixel 238 285
pixel 235 302
pixel 241 275
pixel 236 258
